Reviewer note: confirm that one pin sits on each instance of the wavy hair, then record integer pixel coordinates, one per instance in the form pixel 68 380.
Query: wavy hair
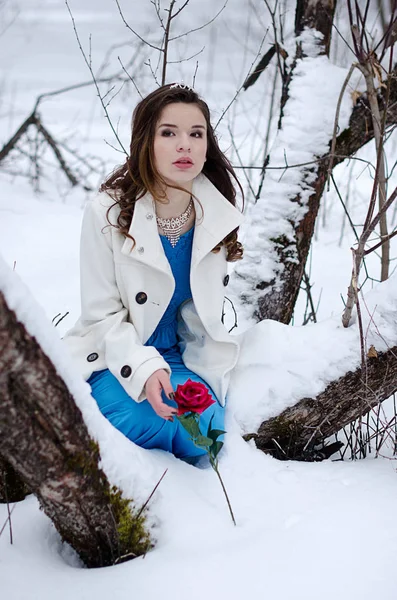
pixel 139 175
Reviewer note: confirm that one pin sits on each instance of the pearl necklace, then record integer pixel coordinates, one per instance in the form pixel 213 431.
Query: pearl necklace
pixel 172 227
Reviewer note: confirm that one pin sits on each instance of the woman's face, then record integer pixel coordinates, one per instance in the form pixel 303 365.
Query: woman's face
pixel 180 143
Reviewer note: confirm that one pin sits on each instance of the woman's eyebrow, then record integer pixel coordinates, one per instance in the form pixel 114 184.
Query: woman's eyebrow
pixel 176 126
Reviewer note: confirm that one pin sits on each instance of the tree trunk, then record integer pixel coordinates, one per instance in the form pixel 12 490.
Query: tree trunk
pixel 316 14
pixel 298 429
pixel 275 297
pixel 278 303
pixel 12 488
pixel 44 438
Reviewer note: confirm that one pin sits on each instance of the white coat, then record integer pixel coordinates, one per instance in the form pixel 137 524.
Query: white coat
pixel 125 292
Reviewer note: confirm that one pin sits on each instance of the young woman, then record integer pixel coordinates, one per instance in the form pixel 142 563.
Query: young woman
pixel 155 244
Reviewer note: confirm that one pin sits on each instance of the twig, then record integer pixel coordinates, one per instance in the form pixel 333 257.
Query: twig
pixel 194 75
pixel 88 63
pixel 241 86
pixel 59 320
pixel 149 64
pixel 129 77
pixel 167 40
pixel 181 60
pixel 8 519
pixel 310 162
pixel 17 136
pixel 336 122
pixel 151 494
pixel 53 145
pixel 235 315
pixel 388 238
pixel 8 509
pixel 177 37
pixel 240 161
pixel 181 9
pixel 132 30
pixel 308 288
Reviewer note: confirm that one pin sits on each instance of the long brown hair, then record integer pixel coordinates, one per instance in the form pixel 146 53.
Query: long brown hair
pixel 138 175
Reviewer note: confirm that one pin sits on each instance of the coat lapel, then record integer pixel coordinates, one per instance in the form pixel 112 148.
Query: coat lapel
pixel 215 218
pixel 148 248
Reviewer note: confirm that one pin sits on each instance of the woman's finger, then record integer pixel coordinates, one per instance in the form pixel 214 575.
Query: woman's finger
pixel 165 382
pixel 160 408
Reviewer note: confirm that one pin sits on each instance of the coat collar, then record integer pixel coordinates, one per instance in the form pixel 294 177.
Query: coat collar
pixel 215 218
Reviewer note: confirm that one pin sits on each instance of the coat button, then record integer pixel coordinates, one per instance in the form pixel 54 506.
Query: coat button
pixel 141 297
pixel 226 280
pixel 149 216
pixel 141 249
pixel 126 371
pixel 93 356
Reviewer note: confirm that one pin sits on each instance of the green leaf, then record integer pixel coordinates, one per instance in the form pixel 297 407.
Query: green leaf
pixel 210 425
pixel 216 448
pixel 190 423
pixel 202 441
pixel 215 433
pixel 185 417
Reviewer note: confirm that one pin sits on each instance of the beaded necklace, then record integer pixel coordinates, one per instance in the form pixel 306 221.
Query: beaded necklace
pixel 172 227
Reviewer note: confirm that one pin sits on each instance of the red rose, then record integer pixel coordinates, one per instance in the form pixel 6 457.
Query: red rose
pixel 192 396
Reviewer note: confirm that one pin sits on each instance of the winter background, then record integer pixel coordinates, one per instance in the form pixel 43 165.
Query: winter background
pixel 303 530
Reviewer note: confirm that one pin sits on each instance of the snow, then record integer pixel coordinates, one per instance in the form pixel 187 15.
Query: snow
pixel 304 531
pixel 282 364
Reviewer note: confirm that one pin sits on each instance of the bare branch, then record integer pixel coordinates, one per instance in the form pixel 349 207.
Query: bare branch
pixel 336 124
pixel 241 86
pixel 129 77
pixel 132 30
pixel 88 63
pixel 166 41
pixel 181 60
pixel 177 37
pixel 53 145
pixel 181 9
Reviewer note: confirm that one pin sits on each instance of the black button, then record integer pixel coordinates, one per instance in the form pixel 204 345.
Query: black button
pixel 226 280
pixel 92 357
pixel 126 371
pixel 141 297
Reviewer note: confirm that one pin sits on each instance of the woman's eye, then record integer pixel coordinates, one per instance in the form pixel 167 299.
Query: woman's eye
pixel 197 134
pixel 167 133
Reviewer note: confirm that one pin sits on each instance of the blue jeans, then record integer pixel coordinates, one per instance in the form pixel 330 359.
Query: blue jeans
pixel 139 422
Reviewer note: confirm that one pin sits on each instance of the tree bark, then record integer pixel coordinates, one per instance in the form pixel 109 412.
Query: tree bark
pixel 12 488
pixel 44 438
pixel 297 430
pixel 316 14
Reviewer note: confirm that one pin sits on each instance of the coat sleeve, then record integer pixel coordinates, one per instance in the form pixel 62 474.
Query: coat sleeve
pixel 102 311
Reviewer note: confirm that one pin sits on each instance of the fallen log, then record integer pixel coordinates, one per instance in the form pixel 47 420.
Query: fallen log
pixel 44 438
pixel 300 430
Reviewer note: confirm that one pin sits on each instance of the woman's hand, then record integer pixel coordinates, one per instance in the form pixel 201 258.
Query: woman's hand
pixel 158 381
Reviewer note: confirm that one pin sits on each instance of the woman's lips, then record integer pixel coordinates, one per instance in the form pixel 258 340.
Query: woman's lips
pixel 182 164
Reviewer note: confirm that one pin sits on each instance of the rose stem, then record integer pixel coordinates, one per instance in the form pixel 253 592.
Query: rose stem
pixel 225 492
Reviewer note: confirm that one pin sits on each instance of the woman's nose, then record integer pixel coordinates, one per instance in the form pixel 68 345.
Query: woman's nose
pixel 184 144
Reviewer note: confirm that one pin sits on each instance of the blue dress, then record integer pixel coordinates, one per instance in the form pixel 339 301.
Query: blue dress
pixel 137 420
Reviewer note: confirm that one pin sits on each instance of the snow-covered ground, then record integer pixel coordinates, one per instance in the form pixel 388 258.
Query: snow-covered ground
pixel 304 531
